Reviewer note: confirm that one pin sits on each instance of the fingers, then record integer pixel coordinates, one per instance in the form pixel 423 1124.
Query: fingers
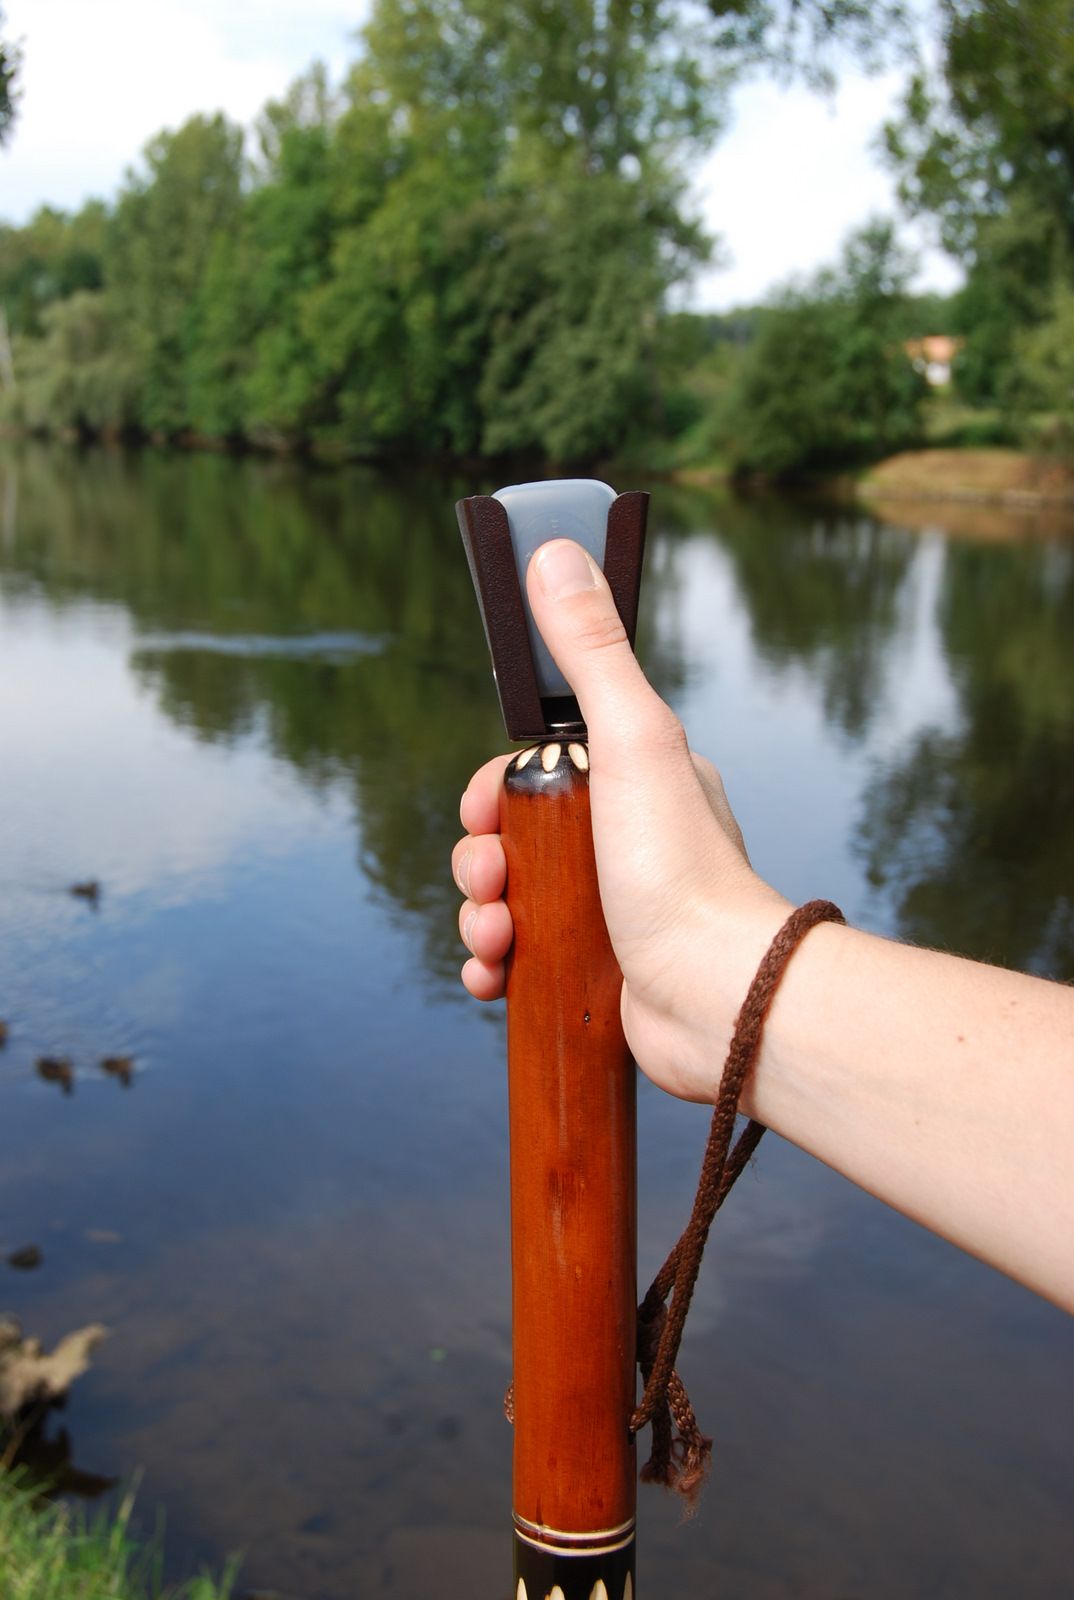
pixel 486 930
pixel 484 983
pixel 479 867
pixel 480 806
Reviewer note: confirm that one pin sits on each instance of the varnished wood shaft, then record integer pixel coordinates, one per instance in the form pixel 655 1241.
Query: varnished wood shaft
pixel 573 1202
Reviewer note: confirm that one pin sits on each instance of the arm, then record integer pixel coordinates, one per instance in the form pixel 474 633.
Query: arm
pixel 942 1086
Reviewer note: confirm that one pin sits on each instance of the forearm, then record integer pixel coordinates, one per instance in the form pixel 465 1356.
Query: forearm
pixel 942 1086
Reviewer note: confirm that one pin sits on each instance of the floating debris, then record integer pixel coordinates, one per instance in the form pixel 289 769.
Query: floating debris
pixel 121 1067
pixel 29 1377
pixel 57 1069
pixel 3 1034
pixel 89 890
pixel 25 1258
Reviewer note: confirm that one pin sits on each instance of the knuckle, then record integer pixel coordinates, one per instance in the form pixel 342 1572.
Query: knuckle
pixel 598 629
pixel 660 729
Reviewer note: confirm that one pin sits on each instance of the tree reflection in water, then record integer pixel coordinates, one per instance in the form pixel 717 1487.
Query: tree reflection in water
pixel 970 832
pixel 310 1180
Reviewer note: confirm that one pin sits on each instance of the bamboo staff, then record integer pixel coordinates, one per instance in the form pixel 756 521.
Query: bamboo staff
pixel 572 1115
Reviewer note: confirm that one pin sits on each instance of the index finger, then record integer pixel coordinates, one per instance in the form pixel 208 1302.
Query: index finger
pixel 480 805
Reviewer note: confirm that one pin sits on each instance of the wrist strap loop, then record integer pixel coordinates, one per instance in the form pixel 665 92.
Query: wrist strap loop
pixel 679 1459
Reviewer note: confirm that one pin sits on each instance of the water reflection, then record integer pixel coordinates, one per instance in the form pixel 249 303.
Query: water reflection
pixel 44 1452
pixel 243 699
pixel 969 831
pixel 822 592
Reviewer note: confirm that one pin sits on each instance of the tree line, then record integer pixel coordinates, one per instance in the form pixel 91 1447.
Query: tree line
pixel 468 249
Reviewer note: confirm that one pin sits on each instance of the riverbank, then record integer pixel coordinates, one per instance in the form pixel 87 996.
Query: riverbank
pixel 994 493
pixel 50 1552
pixel 994 476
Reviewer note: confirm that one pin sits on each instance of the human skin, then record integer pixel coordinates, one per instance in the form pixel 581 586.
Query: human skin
pixel 943 1086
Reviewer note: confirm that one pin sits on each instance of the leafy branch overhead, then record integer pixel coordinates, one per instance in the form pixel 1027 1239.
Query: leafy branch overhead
pixel 984 144
pixel 10 62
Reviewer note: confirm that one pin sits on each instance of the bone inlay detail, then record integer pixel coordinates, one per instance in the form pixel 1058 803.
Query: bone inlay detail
pixel 520 1592
pixel 579 755
pixel 524 757
pixel 549 759
pixel 606 1538
pixel 598 1591
pixel 628 1589
pixel 556 1593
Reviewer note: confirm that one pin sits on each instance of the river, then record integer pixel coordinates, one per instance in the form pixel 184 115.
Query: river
pixel 244 697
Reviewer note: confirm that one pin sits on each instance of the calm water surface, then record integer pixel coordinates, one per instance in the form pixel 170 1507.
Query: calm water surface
pixel 246 698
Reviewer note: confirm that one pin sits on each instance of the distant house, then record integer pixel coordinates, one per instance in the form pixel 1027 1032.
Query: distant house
pixel 933 356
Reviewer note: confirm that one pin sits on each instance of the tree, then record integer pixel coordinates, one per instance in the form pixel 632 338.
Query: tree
pixel 806 37
pixel 253 370
pixel 10 62
pixel 827 379
pixel 985 144
pixel 1009 289
pixel 471 251
pixel 53 256
pixel 512 220
pixel 1045 355
pixel 993 121
pixel 169 215
pixel 76 377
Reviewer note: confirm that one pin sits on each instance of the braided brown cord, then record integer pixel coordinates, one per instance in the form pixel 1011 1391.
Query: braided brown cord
pixel 680 1460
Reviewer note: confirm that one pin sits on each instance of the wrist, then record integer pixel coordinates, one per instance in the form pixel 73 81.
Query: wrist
pixel 740 925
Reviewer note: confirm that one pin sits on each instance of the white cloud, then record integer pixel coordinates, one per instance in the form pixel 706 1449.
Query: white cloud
pixel 100 77
pixel 792 176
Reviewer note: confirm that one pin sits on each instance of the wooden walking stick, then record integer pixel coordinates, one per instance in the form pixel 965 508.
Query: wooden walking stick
pixel 571 1080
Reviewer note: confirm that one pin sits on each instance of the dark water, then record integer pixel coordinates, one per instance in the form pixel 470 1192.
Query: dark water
pixel 246 699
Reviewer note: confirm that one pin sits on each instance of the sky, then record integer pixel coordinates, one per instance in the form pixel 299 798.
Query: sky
pixel 792 174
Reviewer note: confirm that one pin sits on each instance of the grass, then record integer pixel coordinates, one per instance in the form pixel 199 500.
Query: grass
pixel 952 425
pixel 50 1552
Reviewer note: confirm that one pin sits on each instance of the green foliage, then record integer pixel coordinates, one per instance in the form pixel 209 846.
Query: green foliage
pixel 10 62
pixel 76 377
pixel 469 250
pixel 49 1552
pixel 159 243
pixel 804 37
pixel 985 144
pixel 509 226
pixel 1046 363
pixel 1007 291
pixel 994 121
pixel 53 256
pixel 574 301
pixel 827 380
pixel 252 372
pixel 466 252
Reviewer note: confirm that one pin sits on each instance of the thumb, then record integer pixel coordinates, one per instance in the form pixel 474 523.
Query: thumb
pixel 652 823
pixel 574 610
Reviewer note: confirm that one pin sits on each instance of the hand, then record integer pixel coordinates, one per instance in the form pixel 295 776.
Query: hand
pixel 688 918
